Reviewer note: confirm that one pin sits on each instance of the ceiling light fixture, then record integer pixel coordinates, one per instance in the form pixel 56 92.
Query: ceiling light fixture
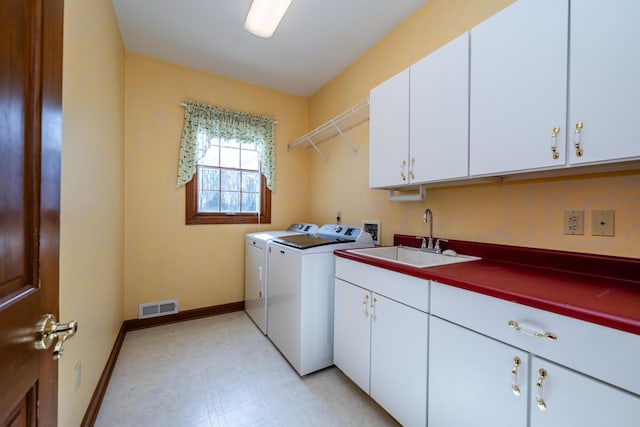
pixel 264 16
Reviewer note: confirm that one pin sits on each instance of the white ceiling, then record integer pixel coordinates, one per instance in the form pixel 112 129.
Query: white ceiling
pixel 316 40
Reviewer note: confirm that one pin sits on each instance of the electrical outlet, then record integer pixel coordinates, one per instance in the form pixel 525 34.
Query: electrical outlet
pixel 574 222
pixel 602 223
pixel 78 371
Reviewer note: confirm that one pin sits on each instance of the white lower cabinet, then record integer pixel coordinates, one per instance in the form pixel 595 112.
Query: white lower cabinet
pixel 484 361
pixel 399 360
pixel 475 380
pixel 563 397
pixel 352 332
pixel 380 343
pixel 472 371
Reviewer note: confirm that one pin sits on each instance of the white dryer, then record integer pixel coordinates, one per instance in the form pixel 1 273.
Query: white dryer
pixel 301 282
pixel 255 269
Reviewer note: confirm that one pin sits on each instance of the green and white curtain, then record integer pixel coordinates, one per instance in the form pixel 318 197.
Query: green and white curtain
pixel 203 123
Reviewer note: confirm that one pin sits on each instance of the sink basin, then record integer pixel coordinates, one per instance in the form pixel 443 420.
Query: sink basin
pixel 412 256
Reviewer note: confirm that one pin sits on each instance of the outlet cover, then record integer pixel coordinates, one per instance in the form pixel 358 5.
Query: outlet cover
pixel 574 222
pixel 602 223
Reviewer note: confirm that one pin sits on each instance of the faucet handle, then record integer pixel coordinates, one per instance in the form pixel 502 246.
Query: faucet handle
pixel 424 242
pixel 437 248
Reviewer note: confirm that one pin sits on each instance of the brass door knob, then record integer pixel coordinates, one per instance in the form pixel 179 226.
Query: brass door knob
pixel 48 329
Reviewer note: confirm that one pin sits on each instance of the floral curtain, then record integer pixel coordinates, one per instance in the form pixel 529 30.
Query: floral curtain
pixel 203 123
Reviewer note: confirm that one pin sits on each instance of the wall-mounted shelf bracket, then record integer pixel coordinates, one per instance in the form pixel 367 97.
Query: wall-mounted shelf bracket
pixel 315 147
pixel 410 197
pixel 338 126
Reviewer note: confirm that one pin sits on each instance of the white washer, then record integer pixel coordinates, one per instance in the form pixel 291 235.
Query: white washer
pixel 301 272
pixel 255 274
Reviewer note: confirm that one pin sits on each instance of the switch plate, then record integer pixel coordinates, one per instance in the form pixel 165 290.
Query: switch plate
pixel 574 222
pixel 602 223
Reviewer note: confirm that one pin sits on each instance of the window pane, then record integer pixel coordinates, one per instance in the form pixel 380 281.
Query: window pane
pixel 249 160
pixel 208 201
pixel 230 180
pixel 209 178
pixel 212 157
pixel 230 157
pixel 230 143
pixel 250 182
pixel 249 202
pixel 230 201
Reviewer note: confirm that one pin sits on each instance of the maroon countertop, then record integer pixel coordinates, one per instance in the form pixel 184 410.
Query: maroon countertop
pixel 598 289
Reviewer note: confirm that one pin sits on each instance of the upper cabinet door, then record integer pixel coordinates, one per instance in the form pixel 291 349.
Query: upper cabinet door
pixel 604 86
pixel 389 132
pixel 439 113
pixel 519 88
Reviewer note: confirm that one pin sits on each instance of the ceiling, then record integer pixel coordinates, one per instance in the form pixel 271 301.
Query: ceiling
pixel 316 40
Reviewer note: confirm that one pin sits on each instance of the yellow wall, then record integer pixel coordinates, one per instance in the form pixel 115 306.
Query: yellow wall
pixel 92 200
pixel 200 265
pixel 523 213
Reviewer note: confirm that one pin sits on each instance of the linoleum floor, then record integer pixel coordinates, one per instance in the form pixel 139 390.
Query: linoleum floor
pixel 222 371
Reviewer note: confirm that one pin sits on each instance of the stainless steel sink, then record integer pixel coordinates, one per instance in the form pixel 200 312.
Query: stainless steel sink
pixel 412 256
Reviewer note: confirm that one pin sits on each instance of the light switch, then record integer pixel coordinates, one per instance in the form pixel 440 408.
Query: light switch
pixel 602 223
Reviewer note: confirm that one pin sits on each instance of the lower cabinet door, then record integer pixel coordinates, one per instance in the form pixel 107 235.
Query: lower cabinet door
pixel 351 332
pixel 561 397
pixel 475 380
pixel 399 338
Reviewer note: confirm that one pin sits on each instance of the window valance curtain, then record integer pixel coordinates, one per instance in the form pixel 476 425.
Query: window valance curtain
pixel 203 123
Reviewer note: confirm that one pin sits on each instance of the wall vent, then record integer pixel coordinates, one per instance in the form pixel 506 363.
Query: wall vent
pixel 160 308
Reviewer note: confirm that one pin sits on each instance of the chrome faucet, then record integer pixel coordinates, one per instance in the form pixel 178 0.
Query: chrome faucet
pixel 438 249
pixel 428 217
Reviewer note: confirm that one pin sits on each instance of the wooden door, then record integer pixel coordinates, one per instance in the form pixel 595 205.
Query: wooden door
pixel 30 142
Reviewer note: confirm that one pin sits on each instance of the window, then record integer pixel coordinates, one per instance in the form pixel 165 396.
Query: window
pixel 228 187
pixel 227 165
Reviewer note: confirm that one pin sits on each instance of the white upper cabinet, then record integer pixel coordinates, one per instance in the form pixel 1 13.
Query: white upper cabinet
pixel 439 113
pixel 389 132
pixel 519 88
pixel 604 85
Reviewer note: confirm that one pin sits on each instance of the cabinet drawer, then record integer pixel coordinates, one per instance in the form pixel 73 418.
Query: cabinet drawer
pixel 408 290
pixel 605 353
